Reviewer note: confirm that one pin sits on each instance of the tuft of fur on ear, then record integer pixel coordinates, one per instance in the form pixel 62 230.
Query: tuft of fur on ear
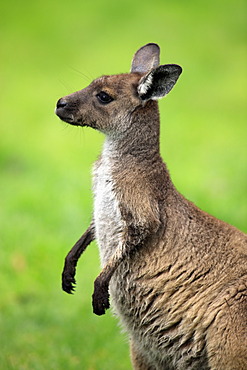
pixel 146 58
pixel 159 81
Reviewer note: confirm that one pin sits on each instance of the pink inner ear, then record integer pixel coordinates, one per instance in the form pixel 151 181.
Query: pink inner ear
pixel 145 58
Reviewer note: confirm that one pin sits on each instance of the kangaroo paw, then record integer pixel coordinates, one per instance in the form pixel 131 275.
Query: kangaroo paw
pixel 68 279
pixel 100 297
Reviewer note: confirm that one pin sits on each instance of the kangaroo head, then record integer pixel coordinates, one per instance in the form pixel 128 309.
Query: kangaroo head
pixel 109 102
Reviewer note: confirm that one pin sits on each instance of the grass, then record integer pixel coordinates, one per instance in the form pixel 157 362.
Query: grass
pixel 49 49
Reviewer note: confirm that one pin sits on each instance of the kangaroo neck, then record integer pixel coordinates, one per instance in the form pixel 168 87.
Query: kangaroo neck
pixel 141 140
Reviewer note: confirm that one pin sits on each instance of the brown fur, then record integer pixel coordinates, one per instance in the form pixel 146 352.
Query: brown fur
pixel 177 276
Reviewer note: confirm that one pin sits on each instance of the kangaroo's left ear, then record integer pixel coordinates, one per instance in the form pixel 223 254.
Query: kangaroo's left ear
pixel 158 82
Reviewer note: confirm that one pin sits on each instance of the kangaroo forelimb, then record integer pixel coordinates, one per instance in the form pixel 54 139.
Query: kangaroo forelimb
pixel 69 270
pixel 100 298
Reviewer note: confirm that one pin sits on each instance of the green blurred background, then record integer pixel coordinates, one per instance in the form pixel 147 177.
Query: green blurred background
pixel 49 49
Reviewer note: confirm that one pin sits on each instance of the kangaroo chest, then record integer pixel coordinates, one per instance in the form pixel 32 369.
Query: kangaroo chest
pixel 107 216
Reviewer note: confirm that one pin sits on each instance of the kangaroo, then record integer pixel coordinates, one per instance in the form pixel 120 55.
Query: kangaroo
pixel 176 275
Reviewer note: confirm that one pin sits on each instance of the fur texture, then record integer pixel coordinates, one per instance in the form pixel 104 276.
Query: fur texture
pixel 177 276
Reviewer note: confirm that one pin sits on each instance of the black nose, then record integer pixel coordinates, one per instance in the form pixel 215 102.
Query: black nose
pixel 61 103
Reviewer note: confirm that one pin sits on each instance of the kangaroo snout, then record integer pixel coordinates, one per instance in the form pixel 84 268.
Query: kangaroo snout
pixel 64 110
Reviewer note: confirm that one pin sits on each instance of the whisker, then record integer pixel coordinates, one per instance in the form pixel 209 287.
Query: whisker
pixel 88 78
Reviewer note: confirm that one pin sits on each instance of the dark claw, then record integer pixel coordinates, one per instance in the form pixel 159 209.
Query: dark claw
pixel 100 298
pixel 100 305
pixel 68 283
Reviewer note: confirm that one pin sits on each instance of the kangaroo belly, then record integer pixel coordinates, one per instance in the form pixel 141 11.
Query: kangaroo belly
pixel 157 313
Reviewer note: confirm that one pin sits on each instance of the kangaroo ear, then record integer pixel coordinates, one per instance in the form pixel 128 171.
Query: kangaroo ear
pixel 158 82
pixel 146 58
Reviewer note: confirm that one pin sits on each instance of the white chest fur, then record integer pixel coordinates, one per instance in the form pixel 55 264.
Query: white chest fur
pixel 107 216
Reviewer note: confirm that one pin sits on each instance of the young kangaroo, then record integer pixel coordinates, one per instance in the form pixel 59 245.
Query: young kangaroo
pixel 176 275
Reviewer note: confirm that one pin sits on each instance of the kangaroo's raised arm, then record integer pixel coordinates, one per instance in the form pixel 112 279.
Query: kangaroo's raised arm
pixel 68 275
pixel 177 277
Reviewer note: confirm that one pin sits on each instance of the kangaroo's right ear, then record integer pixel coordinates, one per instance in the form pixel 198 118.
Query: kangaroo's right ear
pixel 146 58
pixel 158 82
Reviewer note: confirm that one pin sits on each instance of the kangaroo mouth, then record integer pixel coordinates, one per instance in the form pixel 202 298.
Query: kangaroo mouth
pixel 69 117
pixel 66 117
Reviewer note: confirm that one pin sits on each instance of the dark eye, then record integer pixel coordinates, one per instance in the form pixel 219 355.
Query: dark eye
pixel 104 98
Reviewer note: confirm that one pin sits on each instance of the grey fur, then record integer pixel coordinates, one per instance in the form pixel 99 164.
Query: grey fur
pixel 177 275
